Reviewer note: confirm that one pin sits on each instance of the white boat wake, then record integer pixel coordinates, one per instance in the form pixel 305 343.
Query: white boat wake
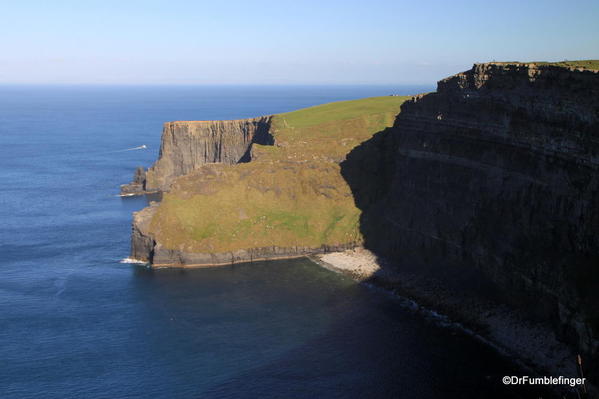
pixel 141 147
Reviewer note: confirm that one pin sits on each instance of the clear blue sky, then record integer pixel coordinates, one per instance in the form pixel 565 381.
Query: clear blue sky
pixel 283 42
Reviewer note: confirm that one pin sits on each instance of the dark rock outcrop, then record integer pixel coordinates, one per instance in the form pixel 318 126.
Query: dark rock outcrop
pixel 137 185
pixel 187 145
pixel 491 185
pixel 142 242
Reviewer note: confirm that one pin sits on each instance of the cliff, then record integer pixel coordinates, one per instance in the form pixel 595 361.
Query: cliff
pixel 187 145
pixel 480 197
pixel 489 189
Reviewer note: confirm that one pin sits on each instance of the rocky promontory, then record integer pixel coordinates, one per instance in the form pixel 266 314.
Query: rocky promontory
pixel 187 145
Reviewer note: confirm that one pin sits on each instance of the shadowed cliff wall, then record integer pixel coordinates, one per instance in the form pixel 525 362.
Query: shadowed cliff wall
pixel 492 184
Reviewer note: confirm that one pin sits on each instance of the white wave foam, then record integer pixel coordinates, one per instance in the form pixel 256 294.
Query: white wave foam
pixel 134 261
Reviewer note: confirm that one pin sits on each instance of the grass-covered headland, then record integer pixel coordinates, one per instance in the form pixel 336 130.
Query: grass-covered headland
pixel 291 194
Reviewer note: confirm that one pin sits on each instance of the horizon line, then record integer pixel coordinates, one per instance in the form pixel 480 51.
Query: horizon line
pixel 214 84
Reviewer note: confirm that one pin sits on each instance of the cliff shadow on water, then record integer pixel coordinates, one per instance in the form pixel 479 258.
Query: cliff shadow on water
pixel 482 202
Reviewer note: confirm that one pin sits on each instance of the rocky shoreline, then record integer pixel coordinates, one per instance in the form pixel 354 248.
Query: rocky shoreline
pixel 531 345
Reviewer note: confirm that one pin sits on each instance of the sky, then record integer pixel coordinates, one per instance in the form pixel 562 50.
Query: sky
pixel 283 42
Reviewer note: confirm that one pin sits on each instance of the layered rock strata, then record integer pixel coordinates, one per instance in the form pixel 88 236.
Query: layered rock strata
pixel 490 188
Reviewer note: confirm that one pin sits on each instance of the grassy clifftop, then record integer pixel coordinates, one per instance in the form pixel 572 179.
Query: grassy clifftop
pixel 290 194
pixel 584 64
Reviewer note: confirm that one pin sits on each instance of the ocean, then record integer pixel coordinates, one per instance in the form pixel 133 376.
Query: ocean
pixel 75 322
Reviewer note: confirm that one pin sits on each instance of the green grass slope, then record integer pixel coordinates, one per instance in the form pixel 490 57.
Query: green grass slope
pixel 290 194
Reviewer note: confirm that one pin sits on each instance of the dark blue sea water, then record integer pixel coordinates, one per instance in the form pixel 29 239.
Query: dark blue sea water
pixel 76 323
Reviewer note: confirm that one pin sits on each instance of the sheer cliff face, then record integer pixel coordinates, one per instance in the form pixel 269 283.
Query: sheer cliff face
pixel 495 173
pixel 188 145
